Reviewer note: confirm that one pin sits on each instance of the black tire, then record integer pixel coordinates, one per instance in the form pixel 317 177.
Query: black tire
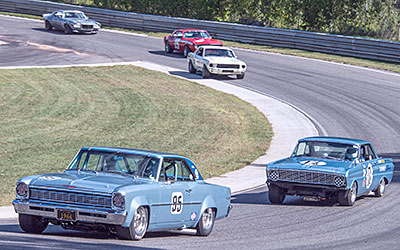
pixel 167 47
pixel 276 194
pixel 380 190
pixel 192 70
pixel 67 29
pixel 240 76
pixel 206 222
pixel 205 73
pixel 348 197
pixel 186 51
pixel 137 228
pixel 32 224
pixel 48 25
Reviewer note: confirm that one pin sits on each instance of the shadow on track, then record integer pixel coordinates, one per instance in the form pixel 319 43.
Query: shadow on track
pixel 197 76
pixel 171 55
pixel 59 32
pixel 58 231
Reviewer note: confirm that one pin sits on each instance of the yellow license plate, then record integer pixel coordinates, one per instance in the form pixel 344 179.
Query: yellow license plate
pixel 66 215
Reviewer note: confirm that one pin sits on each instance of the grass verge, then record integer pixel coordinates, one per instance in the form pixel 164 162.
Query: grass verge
pixel 373 64
pixel 46 115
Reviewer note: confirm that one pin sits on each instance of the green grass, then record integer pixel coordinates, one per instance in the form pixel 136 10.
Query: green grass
pixel 373 64
pixel 46 115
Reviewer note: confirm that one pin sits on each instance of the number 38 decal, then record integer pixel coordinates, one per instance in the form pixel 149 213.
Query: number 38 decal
pixel 177 203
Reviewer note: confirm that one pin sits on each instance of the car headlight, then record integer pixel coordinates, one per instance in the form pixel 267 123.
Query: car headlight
pixel 211 65
pixel 118 202
pixel 22 190
pixel 339 181
pixel 243 66
pixel 273 175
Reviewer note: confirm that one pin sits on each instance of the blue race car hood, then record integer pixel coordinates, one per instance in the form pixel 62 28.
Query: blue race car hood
pixel 313 164
pixel 86 181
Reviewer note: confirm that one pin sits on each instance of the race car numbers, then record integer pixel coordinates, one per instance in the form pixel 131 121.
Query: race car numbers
pixel 176 203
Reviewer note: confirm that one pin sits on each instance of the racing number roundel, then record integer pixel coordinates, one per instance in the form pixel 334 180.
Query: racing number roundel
pixel 176 203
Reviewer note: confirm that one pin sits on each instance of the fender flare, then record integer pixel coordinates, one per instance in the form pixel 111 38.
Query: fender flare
pixel 135 203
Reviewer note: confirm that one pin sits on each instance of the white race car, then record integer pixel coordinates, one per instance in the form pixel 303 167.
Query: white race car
pixel 216 60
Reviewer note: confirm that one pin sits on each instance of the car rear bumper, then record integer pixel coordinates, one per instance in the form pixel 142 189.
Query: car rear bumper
pixel 50 211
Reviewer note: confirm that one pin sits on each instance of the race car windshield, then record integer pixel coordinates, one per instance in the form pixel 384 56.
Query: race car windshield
pixel 196 34
pixel 219 52
pixel 74 15
pixel 327 150
pixel 116 163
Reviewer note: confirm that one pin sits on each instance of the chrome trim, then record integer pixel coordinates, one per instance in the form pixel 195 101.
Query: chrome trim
pixel 50 211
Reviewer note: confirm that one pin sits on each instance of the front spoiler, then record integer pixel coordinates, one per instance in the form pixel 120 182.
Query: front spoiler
pixel 49 211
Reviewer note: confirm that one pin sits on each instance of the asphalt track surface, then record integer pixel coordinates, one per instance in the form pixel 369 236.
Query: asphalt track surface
pixel 342 100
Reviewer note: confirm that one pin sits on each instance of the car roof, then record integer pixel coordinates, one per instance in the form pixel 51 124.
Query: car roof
pixel 335 139
pixel 214 47
pixel 76 11
pixel 191 30
pixel 134 151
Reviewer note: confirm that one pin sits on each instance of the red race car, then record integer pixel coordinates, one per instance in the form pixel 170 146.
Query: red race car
pixel 187 40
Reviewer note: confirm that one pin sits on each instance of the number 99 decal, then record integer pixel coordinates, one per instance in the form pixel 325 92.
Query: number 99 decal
pixel 176 203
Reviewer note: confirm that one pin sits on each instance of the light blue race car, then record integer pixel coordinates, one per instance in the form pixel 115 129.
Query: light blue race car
pixel 323 168
pixel 123 191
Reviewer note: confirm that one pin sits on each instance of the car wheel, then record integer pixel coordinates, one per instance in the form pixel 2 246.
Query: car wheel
pixel 32 224
pixel 48 26
pixel 240 76
pixel 167 47
pixel 206 222
pixel 276 194
pixel 186 51
pixel 381 188
pixel 138 226
pixel 67 29
pixel 348 197
pixel 205 73
pixel 192 70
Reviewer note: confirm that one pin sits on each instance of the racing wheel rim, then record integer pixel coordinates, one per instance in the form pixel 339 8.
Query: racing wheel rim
pixel 140 221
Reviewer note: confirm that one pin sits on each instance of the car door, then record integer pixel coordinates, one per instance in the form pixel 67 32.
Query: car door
pixel 177 40
pixel 57 20
pixel 368 163
pixel 198 59
pixel 377 166
pixel 174 196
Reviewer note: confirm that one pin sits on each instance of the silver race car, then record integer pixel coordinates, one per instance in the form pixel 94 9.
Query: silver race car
pixel 70 21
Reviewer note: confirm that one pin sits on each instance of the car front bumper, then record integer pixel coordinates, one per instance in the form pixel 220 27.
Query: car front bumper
pixel 226 71
pixel 82 30
pixel 304 189
pixel 85 214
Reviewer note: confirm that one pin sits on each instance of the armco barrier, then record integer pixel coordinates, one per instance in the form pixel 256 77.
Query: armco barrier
pixel 326 43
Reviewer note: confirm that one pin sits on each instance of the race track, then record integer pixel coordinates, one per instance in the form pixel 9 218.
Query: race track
pixel 342 100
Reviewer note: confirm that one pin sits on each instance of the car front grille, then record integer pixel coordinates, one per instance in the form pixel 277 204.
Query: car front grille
pixel 87 27
pixel 228 66
pixel 76 198
pixel 304 176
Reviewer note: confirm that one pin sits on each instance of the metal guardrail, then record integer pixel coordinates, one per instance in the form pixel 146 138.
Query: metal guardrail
pixel 333 44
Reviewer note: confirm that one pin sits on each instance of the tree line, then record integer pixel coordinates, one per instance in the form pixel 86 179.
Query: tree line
pixel 371 18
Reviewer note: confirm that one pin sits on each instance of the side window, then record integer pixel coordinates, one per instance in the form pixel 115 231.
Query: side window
pixel 200 52
pixel 168 171
pixel 363 156
pixel 178 34
pixel 184 173
pixel 370 153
